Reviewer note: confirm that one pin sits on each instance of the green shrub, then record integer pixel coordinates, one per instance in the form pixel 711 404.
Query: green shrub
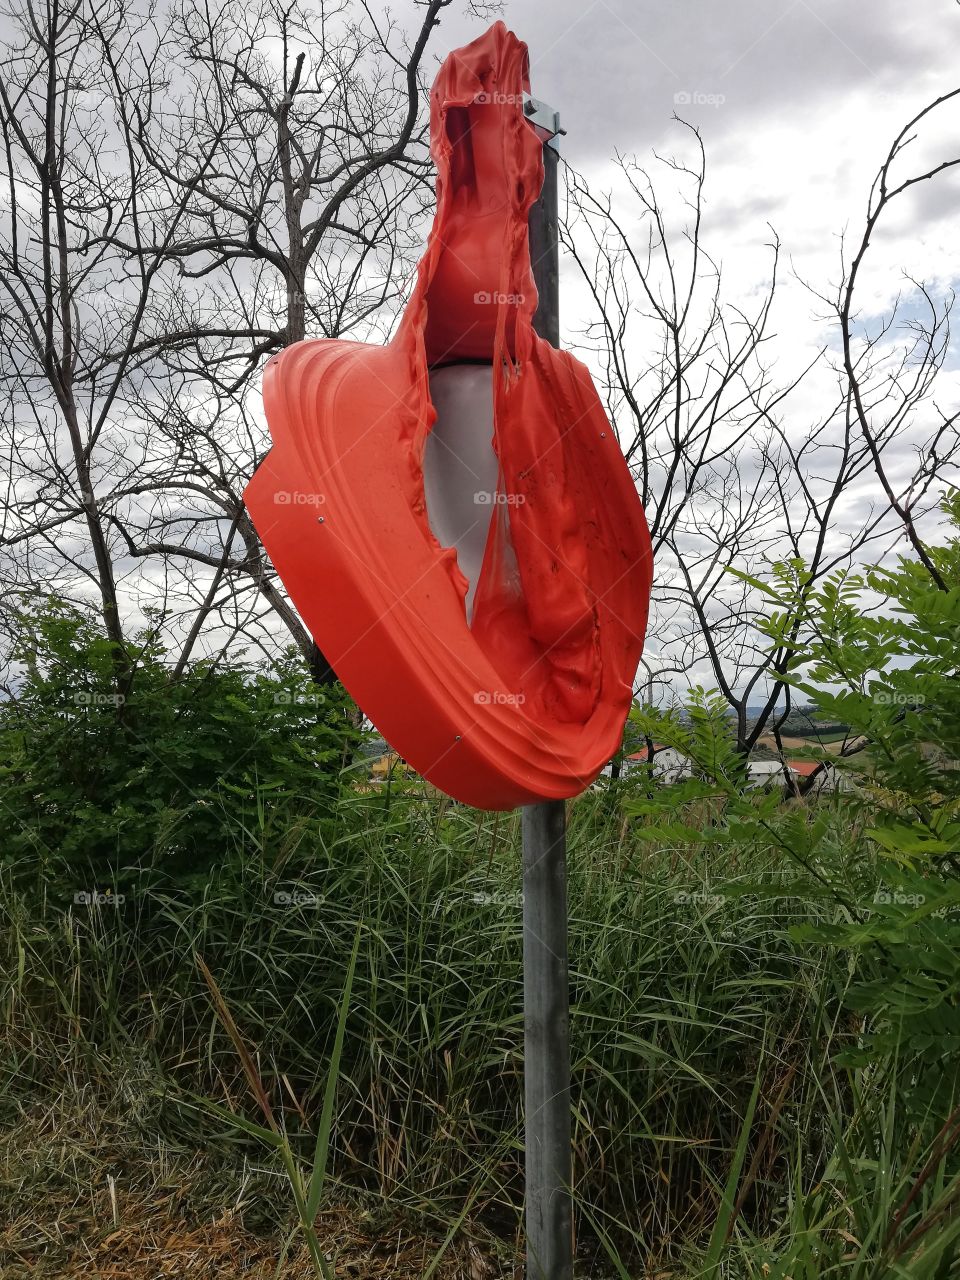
pixel 109 774
pixel 880 653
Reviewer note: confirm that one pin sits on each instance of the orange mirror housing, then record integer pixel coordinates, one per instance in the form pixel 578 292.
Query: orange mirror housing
pixel 500 666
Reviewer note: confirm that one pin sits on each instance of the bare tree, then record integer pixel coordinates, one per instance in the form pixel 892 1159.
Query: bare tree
pixel 188 192
pixel 728 477
pixel 906 379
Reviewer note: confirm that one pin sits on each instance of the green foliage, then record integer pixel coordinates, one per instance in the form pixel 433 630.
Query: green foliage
pixel 673 999
pixel 882 652
pixel 108 772
pixel 306 1187
pixel 879 653
pixel 764 988
pixel 702 733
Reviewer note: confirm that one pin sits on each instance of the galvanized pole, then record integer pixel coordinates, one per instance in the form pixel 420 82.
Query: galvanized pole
pixel 546 995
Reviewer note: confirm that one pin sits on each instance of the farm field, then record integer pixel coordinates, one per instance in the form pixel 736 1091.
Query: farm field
pixel 830 742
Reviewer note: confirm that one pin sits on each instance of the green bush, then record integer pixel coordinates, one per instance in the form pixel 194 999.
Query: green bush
pixel 110 768
pixel 764 987
pixel 879 652
pixel 678 1003
pixel 892 673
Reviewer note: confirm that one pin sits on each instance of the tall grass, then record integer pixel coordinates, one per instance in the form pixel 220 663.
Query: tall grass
pixel 692 1009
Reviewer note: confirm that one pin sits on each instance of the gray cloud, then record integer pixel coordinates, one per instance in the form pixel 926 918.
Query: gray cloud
pixel 613 67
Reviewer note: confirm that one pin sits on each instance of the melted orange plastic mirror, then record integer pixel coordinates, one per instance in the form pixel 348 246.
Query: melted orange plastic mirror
pixel 498 663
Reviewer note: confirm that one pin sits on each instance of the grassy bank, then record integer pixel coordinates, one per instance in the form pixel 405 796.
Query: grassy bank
pixel 690 995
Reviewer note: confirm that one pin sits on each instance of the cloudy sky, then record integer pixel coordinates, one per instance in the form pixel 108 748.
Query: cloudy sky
pixel 797 101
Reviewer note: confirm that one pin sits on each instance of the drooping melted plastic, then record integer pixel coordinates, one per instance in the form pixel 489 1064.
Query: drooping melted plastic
pixel 522 695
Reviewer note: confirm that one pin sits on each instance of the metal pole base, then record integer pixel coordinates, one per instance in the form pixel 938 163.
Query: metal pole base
pixel 546 1043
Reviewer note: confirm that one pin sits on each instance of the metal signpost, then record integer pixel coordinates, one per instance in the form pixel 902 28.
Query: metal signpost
pixel 546 995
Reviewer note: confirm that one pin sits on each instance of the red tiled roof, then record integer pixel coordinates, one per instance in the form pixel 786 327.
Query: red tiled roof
pixel 804 767
pixel 642 755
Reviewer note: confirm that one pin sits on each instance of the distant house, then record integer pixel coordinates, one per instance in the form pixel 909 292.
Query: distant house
pixel 766 772
pixel 668 764
pixel 806 769
pixel 761 773
pixel 830 778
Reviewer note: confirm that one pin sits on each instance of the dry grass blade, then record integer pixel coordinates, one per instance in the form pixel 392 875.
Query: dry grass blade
pixel 243 1053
